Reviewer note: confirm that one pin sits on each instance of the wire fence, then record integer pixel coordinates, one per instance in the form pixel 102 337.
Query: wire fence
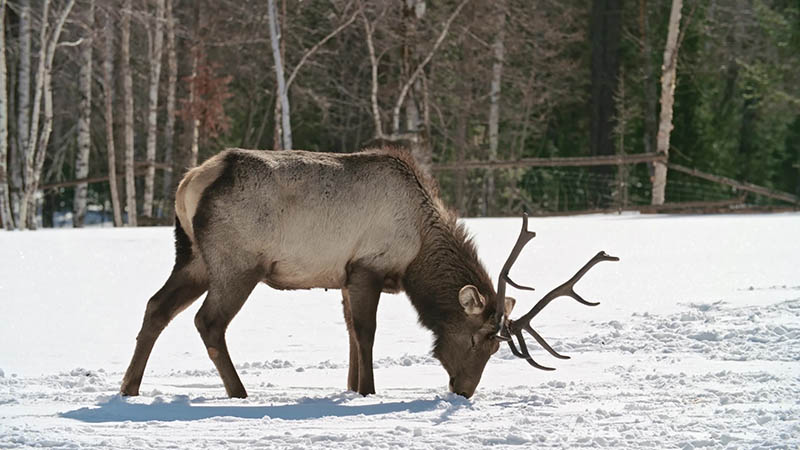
pixel 564 190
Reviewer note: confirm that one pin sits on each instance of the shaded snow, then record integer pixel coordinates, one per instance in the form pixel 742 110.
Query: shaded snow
pixel 695 345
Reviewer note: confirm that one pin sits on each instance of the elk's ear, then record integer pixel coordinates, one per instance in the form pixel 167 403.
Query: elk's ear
pixel 472 300
pixel 510 302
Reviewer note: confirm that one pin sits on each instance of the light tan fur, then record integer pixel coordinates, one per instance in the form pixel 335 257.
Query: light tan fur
pixel 191 189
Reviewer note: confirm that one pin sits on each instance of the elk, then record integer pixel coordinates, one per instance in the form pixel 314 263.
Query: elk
pixel 365 223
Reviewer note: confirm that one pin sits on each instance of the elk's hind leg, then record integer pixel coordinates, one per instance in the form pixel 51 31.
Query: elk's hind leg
pixel 186 283
pixel 226 295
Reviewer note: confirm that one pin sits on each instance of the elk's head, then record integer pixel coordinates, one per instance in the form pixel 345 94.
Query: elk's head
pixel 464 352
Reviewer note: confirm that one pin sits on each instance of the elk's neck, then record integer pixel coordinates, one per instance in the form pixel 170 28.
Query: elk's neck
pixel 446 262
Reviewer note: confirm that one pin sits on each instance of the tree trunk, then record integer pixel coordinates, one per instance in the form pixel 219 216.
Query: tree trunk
pixel 605 37
pixel 650 97
pixel 108 89
pixel 283 95
pixel 667 99
pixel 194 125
pixel 84 119
pixel 23 111
pixel 155 50
pixel 461 174
pixel 127 100
pixel 605 32
pixel 5 210
pixel 277 133
pixel 376 114
pixel 169 132
pixel 498 50
pixel 37 142
pixel 31 133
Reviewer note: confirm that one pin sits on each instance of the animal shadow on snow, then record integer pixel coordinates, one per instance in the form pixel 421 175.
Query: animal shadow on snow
pixel 118 409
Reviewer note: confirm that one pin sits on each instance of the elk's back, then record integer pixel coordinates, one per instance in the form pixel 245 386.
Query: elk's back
pixel 305 216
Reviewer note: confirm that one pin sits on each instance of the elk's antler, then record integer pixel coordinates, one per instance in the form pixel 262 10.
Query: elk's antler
pixel 524 237
pixel 508 328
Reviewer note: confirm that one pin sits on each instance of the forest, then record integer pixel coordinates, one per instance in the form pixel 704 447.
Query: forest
pixel 104 104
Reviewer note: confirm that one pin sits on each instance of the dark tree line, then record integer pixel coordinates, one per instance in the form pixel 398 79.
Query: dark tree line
pixel 125 89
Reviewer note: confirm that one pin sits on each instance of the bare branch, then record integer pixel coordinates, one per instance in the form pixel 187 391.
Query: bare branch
pixel 319 44
pixel 420 67
pixel 71 44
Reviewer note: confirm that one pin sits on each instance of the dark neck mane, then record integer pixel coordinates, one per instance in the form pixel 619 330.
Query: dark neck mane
pixel 446 262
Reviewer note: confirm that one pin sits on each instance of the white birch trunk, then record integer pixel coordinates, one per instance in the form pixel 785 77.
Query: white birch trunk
pixel 127 100
pixel 108 89
pixel 37 142
pixel 31 132
pixel 23 110
pixel 5 210
pixel 47 125
pixel 195 122
pixel 84 119
pixel 274 37
pixel 498 50
pixel 155 50
pixel 373 60
pixel 667 100
pixel 172 83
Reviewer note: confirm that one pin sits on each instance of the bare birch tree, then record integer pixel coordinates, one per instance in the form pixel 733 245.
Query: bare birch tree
pixel 194 116
pixel 667 99
pixel 283 96
pixel 283 115
pixel 172 83
pixel 108 90
pixel 154 53
pixel 43 93
pixel 420 151
pixel 23 110
pixel 5 210
pixel 194 120
pixel 84 117
pixel 127 100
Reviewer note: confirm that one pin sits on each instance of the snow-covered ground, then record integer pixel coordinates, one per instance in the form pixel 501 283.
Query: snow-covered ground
pixel 696 344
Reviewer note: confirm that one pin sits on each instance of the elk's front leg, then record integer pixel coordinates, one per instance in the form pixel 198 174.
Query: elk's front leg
pixel 352 371
pixel 362 292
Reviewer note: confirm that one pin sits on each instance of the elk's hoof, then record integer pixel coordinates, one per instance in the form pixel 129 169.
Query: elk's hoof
pixel 129 392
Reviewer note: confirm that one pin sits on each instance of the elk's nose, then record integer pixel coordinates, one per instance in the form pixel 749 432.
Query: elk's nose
pixel 452 385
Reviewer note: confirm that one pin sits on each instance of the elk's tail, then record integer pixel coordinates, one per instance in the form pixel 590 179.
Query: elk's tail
pixel 190 190
pixel 183 245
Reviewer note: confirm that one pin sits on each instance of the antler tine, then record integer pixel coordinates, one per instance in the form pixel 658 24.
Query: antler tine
pixel 543 343
pixel 524 237
pixel 567 289
pixel 518 286
pixel 523 351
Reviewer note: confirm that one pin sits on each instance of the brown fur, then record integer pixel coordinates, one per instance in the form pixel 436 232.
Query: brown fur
pixel 365 223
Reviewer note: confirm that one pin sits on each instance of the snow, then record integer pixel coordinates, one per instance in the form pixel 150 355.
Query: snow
pixel 696 344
